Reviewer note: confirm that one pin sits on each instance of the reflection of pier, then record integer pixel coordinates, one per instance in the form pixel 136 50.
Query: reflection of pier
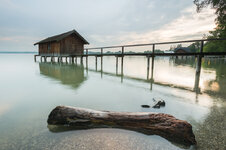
pixel 73 74
pixel 149 80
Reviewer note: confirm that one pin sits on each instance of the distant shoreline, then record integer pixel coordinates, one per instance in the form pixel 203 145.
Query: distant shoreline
pixel 18 52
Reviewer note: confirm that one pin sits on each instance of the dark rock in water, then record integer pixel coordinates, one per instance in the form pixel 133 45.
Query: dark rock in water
pixel 145 106
pixel 159 103
pixel 156 106
pixel 162 103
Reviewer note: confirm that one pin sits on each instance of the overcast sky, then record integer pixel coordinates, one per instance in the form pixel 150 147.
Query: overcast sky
pixel 101 22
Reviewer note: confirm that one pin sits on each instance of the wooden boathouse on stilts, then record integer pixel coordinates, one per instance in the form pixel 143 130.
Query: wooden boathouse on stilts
pixel 65 44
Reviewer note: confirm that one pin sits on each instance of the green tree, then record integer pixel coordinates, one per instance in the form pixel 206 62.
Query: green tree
pixel 220 30
pixel 195 47
pixel 179 45
pixel 172 48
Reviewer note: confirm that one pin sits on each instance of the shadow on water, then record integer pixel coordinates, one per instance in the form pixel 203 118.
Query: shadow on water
pixel 68 74
pixel 62 128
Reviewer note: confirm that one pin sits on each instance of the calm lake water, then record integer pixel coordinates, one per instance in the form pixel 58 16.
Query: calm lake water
pixel 30 90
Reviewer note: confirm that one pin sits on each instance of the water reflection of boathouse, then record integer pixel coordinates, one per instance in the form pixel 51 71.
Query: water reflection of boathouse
pixel 68 74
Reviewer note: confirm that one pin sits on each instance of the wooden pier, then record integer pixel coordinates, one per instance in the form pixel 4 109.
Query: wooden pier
pixel 74 58
pixel 86 54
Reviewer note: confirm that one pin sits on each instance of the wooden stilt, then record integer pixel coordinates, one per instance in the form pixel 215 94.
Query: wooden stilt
pixel 81 60
pixel 198 69
pixel 148 64
pixel 52 59
pixel 87 58
pixel 101 67
pixel 122 69
pixel 86 61
pixel 35 58
pixel 152 66
pixel 116 65
pixel 197 74
pixel 96 63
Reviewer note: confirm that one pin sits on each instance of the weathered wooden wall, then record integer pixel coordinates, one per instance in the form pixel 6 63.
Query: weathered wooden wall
pixel 55 48
pixel 69 45
pixel 72 45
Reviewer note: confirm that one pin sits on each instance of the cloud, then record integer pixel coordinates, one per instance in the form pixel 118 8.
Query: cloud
pixel 101 22
pixel 189 25
pixel 17 43
pixel 16 38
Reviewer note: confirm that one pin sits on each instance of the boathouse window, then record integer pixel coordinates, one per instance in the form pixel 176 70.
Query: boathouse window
pixel 49 46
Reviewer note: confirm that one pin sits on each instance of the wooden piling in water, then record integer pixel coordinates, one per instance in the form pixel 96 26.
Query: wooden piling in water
pixel 152 72
pixel 86 60
pixel 52 59
pixel 96 62
pixel 152 66
pixel 198 69
pixel 81 60
pixel 35 58
pixel 148 64
pixel 101 66
pixel 116 65
pixel 122 61
pixel 122 73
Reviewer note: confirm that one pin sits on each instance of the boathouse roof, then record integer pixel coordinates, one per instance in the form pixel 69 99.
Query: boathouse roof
pixel 59 37
pixel 186 49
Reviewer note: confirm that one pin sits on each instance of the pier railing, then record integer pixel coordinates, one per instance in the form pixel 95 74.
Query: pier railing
pixel 123 53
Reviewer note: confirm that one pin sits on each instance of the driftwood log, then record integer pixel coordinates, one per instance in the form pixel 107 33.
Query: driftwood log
pixel 149 123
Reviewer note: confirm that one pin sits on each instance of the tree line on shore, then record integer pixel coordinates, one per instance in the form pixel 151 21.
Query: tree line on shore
pixel 220 30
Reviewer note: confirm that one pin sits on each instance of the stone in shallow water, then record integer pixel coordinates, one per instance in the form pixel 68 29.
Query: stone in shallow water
pixel 159 103
pixel 145 106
